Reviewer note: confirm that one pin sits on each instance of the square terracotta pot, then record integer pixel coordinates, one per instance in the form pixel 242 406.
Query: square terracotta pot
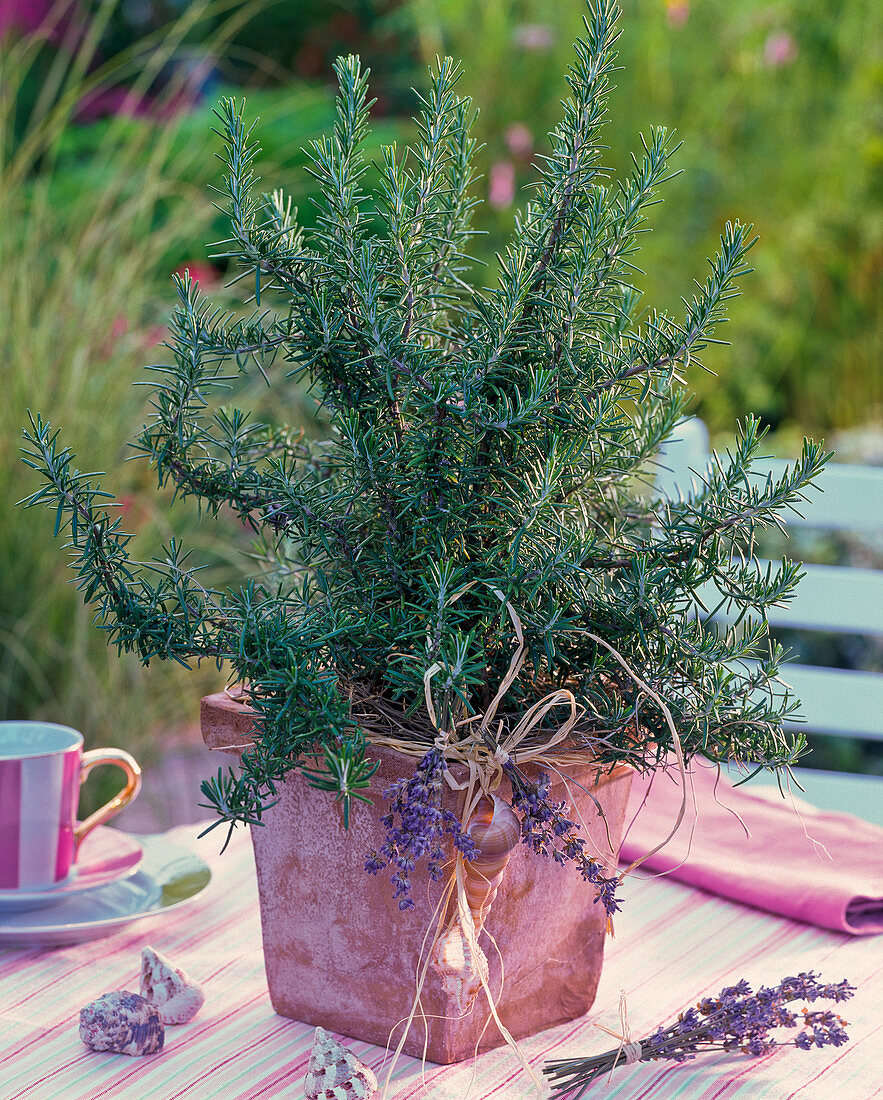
pixel 339 953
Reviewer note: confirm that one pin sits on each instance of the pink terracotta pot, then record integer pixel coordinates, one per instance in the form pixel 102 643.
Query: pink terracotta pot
pixel 339 953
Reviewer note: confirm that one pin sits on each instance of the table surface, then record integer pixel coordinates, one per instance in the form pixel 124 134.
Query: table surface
pixel 673 944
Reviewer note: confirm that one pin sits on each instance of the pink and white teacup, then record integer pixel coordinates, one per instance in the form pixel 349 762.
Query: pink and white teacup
pixel 41 768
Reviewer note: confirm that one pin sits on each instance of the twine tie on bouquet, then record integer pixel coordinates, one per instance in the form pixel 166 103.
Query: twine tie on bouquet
pixel 632 1052
pixel 629 1052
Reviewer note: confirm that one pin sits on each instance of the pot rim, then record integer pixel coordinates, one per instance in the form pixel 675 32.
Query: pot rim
pixel 225 702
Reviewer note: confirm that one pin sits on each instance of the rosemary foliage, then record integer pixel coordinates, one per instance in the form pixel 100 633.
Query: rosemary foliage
pixel 488 446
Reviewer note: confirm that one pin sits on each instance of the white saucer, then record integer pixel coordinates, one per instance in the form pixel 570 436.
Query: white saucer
pixel 106 855
pixel 168 877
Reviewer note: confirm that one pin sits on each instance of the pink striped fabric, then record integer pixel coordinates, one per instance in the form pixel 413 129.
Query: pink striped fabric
pixel 673 944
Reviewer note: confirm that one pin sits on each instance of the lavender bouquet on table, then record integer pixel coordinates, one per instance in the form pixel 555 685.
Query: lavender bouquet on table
pixel 736 1020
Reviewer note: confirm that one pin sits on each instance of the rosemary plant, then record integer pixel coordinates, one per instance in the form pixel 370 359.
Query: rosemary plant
pixel 490 452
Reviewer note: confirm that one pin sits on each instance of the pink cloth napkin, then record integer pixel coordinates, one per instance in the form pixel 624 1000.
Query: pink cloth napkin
pixel 819 867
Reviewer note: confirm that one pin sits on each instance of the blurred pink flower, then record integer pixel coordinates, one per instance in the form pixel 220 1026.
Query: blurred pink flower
pixel 101 102
pixel 677 12
pixel 779 49
pixel 519 139
pixel 207 275
pixel 155 335
pixel 183 92
pixel 26 16
pixel 122 331
pixel 501 184
pixel 533 36
pixel 134 510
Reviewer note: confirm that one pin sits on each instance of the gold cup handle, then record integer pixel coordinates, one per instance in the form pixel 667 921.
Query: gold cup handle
pixel 93 759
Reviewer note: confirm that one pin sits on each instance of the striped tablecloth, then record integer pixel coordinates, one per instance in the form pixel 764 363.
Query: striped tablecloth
pixel 672 945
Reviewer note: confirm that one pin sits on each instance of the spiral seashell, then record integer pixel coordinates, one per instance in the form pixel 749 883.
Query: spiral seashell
pixel 460 964
pixel 456 955
pixel 335 1073
pixel 495 828
pixel 122 1022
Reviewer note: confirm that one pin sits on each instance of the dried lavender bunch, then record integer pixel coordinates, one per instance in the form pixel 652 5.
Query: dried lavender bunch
pixel 736 1020
pixel 422 825
pixel 546 830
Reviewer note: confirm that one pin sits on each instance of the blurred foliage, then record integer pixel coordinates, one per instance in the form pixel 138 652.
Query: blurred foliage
pixel 776 103
pixel 300 40
pixel 87 286
pixel 97 216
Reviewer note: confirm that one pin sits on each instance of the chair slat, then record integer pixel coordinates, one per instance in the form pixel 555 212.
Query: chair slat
pixel 839 599
pixel 837 701
pixel 852 499
pixel 861 795
pixel 842 792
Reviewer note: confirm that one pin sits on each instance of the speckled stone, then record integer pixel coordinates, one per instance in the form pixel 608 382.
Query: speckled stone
pixel 122 1022
pixel 335 1073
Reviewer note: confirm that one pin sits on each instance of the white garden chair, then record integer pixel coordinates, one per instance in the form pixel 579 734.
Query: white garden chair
pixel 832 598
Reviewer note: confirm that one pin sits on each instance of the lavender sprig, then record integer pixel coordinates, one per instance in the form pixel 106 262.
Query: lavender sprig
pixel 736 1020
pixel 546 830
pixel 422 825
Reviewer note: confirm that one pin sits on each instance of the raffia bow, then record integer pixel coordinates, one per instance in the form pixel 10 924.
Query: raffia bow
pixel 485 757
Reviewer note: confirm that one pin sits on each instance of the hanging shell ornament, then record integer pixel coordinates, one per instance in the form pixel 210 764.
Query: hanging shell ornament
pixel 495 828
pixel 461 965
pixel 335 1073
pixel 456 955
pixel 122 1022
pixel 177 996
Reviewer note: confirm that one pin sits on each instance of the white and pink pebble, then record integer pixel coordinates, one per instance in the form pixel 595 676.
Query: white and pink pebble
pixel 176 996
